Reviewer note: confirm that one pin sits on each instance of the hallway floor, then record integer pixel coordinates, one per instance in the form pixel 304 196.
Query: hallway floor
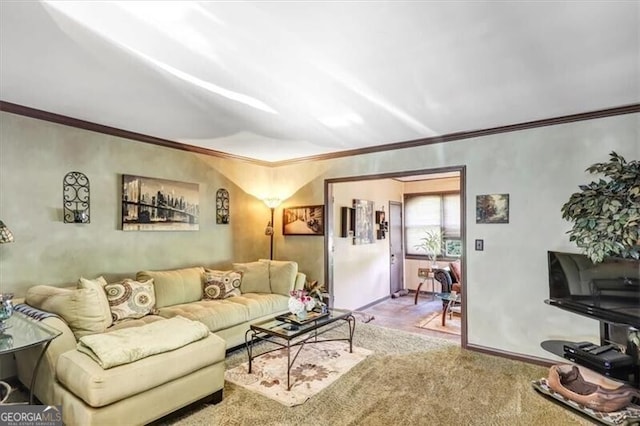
pixel 402 314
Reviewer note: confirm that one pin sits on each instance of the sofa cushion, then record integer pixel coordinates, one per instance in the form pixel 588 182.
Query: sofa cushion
pixel 221 284
pixel 175 286
pixel 215 314
pixel 260 304
pixel 129 299
pixel 97 387
pixel 80 308
pixel 98 285
pixel 282 275
pixel 255 277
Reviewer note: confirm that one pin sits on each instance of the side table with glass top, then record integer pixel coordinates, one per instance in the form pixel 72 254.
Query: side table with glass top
pixel 425 274
pixel 451 299
pixel 23 333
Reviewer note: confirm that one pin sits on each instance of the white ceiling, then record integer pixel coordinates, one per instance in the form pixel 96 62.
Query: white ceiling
pixel 283 80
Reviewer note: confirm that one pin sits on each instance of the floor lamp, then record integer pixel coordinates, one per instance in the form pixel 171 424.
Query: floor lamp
pixel 272 203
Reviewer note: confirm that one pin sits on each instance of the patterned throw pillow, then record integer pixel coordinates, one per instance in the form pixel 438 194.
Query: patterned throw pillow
pixel 130 299
pixel 221 284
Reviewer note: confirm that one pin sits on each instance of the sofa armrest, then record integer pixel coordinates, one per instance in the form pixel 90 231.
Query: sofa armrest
pixel 301 279
pixel 26 360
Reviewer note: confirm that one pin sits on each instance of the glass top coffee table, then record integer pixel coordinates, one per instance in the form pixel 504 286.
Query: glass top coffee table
pixel 285 332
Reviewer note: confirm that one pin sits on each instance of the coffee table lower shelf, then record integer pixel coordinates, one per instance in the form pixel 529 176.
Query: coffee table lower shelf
pixel 287 336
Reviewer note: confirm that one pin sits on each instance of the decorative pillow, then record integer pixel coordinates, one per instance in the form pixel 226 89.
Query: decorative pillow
pixel 255 277
pixel 221 284
pixel 130 299
pixel 79 308
pixel 282 275
pixel 98 285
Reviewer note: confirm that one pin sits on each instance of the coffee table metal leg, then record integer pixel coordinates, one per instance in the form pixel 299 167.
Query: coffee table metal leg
pixel 352 329
pixel 249 344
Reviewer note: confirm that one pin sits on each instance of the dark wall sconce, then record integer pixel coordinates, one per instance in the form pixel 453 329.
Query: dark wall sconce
pixel 347 221
pixel 75 198
pixel 222 206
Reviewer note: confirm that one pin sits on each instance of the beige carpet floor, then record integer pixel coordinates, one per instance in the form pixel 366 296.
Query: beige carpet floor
pixel 409 380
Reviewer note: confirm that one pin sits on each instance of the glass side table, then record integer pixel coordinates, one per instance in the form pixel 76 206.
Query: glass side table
pixel 23 333
pixel 451 299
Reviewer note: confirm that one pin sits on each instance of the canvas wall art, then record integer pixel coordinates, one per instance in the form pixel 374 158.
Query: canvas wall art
pixel 152 204
pixel 304 220
pixel 364 222
pixel 493 208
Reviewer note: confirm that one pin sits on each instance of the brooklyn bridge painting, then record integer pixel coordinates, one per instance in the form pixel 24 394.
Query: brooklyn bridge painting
pixel 150 204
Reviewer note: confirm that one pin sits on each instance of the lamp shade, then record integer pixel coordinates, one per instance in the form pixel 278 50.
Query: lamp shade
pixel 5 234
pixel 272 203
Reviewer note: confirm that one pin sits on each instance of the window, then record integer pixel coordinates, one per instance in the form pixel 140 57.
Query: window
pixel 438 212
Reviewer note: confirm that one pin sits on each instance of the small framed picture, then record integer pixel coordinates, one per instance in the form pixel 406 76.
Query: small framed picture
pixel 453 248
pixel 303 220
pixel 492 208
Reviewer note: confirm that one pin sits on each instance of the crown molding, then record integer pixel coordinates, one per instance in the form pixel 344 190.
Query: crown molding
pixel 99 128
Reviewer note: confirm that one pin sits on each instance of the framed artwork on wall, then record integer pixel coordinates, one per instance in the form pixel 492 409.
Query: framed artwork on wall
pixel 453 248
pixel 364 222
pixel 303 220
pixel 152 204
pixel 493 208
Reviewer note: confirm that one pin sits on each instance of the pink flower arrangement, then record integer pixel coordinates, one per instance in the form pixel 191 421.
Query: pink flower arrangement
pixel 300 301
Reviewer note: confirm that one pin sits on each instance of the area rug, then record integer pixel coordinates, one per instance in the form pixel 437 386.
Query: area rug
pixel 409 380
pixel 316 367
pixel 434 322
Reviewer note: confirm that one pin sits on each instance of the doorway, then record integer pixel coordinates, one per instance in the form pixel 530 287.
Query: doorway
pixel 396 248
pixel 358 277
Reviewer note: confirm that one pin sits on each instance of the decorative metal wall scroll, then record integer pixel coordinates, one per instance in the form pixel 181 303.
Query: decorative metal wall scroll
pixel 222 206
pixel 75 198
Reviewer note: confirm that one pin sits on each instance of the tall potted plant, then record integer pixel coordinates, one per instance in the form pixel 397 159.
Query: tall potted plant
pixel 606 213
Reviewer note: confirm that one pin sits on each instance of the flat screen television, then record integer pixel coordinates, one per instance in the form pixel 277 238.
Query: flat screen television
pixel 607 291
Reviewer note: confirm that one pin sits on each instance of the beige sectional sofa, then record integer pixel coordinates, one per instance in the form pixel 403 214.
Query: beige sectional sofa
pixel 147 389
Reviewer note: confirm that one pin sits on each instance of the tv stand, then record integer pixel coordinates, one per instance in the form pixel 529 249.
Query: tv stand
pixel 628 374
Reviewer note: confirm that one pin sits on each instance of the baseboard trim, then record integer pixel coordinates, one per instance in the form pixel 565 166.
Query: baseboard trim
pixel 367 306
pixel 510 355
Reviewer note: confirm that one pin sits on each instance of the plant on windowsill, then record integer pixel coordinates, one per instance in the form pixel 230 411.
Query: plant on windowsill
pixel 431 244
pixel 606 213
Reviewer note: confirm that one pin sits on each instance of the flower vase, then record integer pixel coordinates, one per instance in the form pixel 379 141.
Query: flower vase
pixel 301 315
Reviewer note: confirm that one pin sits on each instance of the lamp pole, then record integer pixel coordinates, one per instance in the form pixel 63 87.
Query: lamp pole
pixel 272 203
pixel 271 236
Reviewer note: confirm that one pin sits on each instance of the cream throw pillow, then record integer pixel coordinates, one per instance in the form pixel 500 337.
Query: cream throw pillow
pixel 81 308
pixel 255 277
pixel 98 285
pixel 282 275
pixel 176 286
pixel 130 299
